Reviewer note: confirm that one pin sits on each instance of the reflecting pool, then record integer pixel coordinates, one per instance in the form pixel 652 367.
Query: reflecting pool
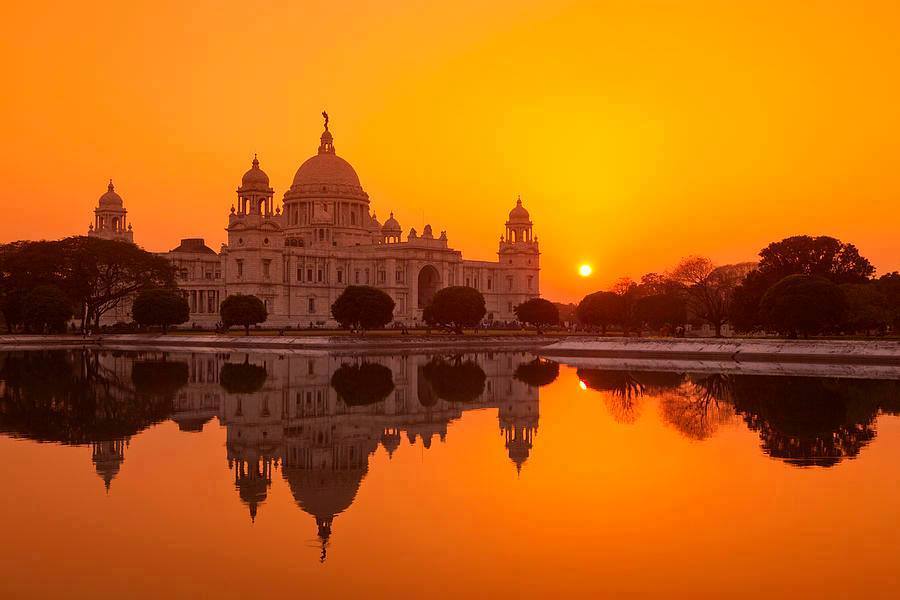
pixel 186 474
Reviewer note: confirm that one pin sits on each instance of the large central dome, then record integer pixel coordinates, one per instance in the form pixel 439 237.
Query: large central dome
pixel 325 169
pixel 327 175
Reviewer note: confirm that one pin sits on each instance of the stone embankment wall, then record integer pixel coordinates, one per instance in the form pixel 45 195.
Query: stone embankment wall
pixel 731 350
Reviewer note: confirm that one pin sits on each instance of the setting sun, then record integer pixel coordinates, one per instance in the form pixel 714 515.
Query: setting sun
pixel 585 270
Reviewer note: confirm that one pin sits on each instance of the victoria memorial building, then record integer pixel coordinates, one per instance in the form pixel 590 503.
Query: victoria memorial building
pixel 299 257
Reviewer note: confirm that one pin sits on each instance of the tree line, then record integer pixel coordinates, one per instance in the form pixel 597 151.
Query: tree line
pixel 801 286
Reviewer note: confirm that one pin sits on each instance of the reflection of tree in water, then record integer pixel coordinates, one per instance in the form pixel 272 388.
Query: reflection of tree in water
pixel 538 372
pixel 362 384
pixel 455 380
pixel 809 421
pixel 698 408
pixel 623 400
pixel 242 378
pixel 70 397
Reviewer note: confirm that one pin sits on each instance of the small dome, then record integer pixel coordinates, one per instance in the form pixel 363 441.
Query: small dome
pixel 391 225
pixel 111 199
pixel 255 178
pixel 374 225
pixel 519 213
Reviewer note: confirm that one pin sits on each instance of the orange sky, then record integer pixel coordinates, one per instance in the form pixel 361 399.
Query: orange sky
pixel 636 131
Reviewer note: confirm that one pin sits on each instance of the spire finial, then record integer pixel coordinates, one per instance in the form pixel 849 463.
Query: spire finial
pixel 255 161
pixel 519 199
pixel 326 145
pixel 110 187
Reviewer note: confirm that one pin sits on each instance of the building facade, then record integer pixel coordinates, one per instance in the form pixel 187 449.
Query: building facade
pixel 299 257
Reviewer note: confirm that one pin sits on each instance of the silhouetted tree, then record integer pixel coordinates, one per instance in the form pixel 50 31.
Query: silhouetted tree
pixel 242 378
pixel 99 274
pixel 660 310
pixel 243 310
pixel 455 308
pixel 362 384
pixel 889 285
pixel 867 308
pixel 361 307
pixel 709 288
pixel 46 310
pixel 537 312
pixel 802 304
pixel 455 380
pixel 820 256
pixel 538 372
pixel 600 309
pixel 160 307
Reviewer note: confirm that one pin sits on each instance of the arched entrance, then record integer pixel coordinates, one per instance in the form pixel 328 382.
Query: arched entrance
pixel 429 283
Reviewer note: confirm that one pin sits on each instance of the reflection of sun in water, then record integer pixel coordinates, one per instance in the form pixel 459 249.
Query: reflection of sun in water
pixel 585 270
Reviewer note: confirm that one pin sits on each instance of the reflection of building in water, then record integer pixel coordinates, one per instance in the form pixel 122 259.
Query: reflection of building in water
pixel 297 421
pixel 108 458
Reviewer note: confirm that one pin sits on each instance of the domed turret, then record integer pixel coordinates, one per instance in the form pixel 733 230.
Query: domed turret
pixel 255 178
pixel 518 214
pixel 111 199
pixel 110 218
pixel 391 230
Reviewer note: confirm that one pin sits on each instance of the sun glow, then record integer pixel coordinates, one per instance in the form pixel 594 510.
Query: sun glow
pixel 585 270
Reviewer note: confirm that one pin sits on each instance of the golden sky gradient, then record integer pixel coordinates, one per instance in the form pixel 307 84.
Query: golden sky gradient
pixel 636 131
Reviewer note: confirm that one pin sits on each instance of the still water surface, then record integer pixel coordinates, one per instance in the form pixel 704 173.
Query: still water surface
pixel 236 475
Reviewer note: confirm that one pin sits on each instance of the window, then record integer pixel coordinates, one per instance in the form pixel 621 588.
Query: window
pixel 299 274
pixel 488 283
pixel 340 276
pixel 240 267
pixel 468 282
pixel 320 276
pixel 399 276
pixel 356 276
pixel 310 368
pixel 309 274
pixel 218 274
pixel 184 273
pixel 530 281
pixel 266 264
pixel 312 305
pixel 367 277
pixel 382 277
pixel 321 235
pixel 209 274
pixel 509 283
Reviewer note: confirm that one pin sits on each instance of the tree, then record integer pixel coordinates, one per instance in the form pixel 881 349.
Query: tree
pixel 159 378
pixel 708 288
pixel 362 384
pixel 360 307
pixel 600 309
pixel 454 308
pixel 889 285
pixel 537 312
pixel 867 308
pixel 25 265
pixel 160 307
pixel 243 310
pixel 99 274
pixel 802 304
pixel 46 310
pixel 820 256
pixel 659 310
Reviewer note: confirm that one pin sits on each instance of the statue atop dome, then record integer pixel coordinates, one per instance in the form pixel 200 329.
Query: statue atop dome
pixel 325 116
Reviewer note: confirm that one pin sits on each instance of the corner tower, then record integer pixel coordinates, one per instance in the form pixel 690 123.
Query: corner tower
pixel 519 259
pixel 110 218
